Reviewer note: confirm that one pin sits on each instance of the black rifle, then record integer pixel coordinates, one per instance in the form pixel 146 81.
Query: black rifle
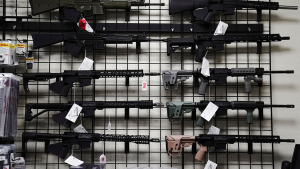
pixel 83 77
pixel 83 140
pixel 175 110
pixel 295 163
pixel 74 9
pixel 217 42
pixel 228 7
pixel 171 78
pixel 175 143
pixel 74 42
pixel 88 108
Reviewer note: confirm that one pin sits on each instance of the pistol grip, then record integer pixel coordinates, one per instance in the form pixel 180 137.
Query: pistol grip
pixel 200 122
pixel 201 153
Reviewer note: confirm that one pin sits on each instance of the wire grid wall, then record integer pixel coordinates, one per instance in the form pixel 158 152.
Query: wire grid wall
pixel 145 122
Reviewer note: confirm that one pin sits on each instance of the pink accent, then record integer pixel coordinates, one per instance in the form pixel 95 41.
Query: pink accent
pixel 102 159
pixel 144 85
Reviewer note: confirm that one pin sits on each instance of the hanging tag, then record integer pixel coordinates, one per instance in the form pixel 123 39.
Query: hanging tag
pixel 210 165
pixel 205 67
pixel 86 64
pixel 221 29
pixel 209 111
pixel 144 85
pixel 109 125
pixel 214 130
pixel 29 63
pixel 73 161
pixel 83 24
pixel 12 156
pixel 74 113
pixel 2 158
pixel 80 129
pixel 102 160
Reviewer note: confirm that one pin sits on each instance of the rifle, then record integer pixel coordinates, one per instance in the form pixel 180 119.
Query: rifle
pixel 227 7
pixel 175 143
pixel 217 42
pixel 83 140
pixel 171 78
pixel 73 9
pixel 83 77
pixel 175 110
pixel 295 163
pixel 75 42
pixel 88 108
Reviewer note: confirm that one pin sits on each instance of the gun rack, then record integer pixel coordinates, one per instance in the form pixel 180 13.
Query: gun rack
pixel 149 122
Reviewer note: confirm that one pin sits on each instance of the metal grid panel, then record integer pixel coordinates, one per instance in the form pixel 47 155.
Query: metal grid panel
pixel 152 122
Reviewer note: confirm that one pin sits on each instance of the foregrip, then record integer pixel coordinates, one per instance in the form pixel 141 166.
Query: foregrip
pixel 247 85
pixel 249 116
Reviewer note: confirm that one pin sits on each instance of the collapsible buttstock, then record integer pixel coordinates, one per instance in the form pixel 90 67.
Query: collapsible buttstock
pixel 42 6
pixel 42 40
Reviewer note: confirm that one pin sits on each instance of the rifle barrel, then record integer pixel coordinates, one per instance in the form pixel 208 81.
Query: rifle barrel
pixel 152 74
pixel 286 106
pixel 285 38
pixel 148 4
pixel 288 7
pixel 287 140
pixel 283 71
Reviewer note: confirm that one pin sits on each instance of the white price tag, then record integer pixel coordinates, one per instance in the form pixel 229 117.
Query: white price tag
pixel 221 29
pixel 109 126
pixel 86 64
pixel 210 165
pixel 209 111
pixel 80 129
pixel 144 86
pixel 2 158
pixel 205 67
pixel 102 159
pixel 74 113
pixel 12 156
pixel 214 130
pixel 73 161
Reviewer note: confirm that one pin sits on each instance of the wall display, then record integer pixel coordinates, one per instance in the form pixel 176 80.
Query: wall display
pixel 171 37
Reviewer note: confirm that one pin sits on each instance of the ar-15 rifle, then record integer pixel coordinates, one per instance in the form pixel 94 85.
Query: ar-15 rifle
pixel 83 140
pixel 175 110
pixel 75 42
pixel 175 143
pixel 217 42
pixel 228 7
pixel 88 108
pixel 171 78
pixel 73 9
pixel 83 77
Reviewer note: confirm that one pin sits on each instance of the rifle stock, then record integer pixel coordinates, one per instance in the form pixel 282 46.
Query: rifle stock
pixel 40 40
